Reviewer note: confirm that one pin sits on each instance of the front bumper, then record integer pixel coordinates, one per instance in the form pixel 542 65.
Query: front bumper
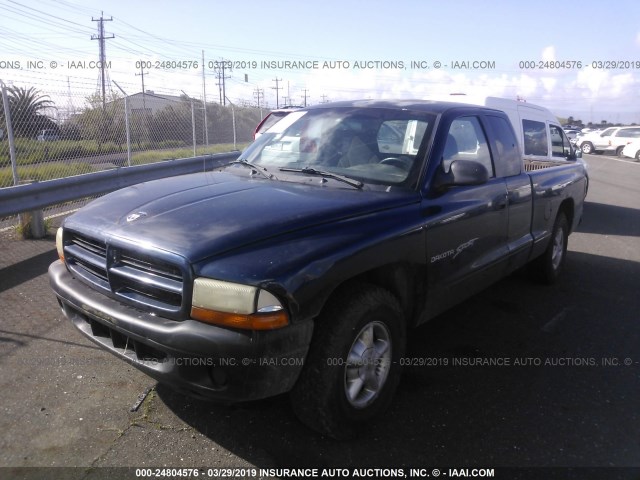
pixel 202 360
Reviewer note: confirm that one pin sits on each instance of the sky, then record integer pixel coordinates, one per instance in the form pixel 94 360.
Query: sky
pixel 579 59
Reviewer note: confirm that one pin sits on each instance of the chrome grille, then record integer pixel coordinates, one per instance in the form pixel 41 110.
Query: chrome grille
pixel 137 278
pixel 87 258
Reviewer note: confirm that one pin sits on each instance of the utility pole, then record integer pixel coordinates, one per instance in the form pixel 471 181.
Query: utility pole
pixel 221 82
pixel 257 94
pixel 276 88
pixel 103 55
pixel 142 74
pixel 72 110
pixel 324 98
pixel 305 96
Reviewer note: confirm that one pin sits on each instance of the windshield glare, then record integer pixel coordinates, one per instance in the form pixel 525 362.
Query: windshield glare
pixel 373 145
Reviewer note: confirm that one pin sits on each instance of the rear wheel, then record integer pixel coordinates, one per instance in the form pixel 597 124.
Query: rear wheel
pixel 638 156
pixel 548 266
pixel 619 151
pixel 353 366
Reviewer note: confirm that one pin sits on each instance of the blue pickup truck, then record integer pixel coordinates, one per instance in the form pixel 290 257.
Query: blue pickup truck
pixel 301 266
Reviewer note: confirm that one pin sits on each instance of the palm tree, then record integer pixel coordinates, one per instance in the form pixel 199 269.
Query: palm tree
pixel 28 108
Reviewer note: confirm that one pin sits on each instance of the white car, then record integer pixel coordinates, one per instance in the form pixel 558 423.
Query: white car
pixel 632 150
pixel 572 135
pixel 48 135
pixel 611 140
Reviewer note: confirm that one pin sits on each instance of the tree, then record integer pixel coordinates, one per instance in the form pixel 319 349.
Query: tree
pixel 103 125
pixel 28 107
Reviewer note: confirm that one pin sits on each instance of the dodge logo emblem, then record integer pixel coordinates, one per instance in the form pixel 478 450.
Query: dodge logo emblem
pixel 132 217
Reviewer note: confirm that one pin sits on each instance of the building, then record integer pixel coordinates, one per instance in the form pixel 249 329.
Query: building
pixel 151 102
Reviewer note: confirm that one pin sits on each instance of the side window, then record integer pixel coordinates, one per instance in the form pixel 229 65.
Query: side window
pixel 535 138
pixel 401 137
pixel 467 141
pixel 629 133
pixel 508 160
pixel 560 146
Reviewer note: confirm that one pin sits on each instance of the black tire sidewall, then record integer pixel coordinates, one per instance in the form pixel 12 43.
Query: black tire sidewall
pixel 551 274
pixel 319 398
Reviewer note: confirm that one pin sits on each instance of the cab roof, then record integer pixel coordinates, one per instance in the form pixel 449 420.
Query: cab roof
pixel 430 106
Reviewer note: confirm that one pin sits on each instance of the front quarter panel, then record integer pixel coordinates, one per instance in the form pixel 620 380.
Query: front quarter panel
pixel 303 268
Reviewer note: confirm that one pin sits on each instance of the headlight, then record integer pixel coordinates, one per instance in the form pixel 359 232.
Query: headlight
pixel 59 244
pixel 235 305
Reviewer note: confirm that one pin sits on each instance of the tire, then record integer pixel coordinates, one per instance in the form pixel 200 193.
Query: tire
pixel 587 147
pixel 353 367
pixel 619 151
pixel 638 156
pixel 549 265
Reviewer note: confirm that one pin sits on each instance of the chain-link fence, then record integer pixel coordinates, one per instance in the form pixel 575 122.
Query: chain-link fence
pixel 53 132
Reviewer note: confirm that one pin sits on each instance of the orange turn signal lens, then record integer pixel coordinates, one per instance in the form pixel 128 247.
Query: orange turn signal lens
pixel 59 244
pixel 252 321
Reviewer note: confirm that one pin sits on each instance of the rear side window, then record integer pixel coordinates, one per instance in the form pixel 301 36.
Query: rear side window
pixel 467 141
pixel 629 133
pixel 508 161
pixel 560 146
pixel 535 138
pixel 271 120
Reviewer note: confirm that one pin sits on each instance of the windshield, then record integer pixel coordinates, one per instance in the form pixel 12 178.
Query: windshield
pixel 373 145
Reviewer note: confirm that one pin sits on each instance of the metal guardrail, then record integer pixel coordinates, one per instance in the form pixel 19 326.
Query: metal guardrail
pixel 34 196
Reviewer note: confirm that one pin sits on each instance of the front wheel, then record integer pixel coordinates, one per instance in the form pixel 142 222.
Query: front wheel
pixel 587 147
pixel 353 366
pixel 548 266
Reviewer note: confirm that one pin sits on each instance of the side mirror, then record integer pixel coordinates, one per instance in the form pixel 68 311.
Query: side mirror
pixel 575 153
pixel 461 173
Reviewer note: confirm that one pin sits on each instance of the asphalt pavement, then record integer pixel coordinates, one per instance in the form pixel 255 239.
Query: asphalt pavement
pixel 521 375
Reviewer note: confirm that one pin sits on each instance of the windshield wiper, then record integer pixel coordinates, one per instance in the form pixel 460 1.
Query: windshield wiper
pixel 312 171
pixel 255 168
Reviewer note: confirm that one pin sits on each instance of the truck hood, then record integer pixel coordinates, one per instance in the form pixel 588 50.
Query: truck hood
pixel 206 214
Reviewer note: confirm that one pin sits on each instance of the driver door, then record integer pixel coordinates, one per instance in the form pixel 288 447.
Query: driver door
pixel 466 226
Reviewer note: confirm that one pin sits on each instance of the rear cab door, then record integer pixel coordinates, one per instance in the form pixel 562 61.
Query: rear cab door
pixel 510 166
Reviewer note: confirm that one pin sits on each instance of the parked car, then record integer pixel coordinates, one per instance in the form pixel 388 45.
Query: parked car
pixel 302 266
pixel 272 118
pixel 572 134
pixel 48 135
pixel 632 150
pixel 611 140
